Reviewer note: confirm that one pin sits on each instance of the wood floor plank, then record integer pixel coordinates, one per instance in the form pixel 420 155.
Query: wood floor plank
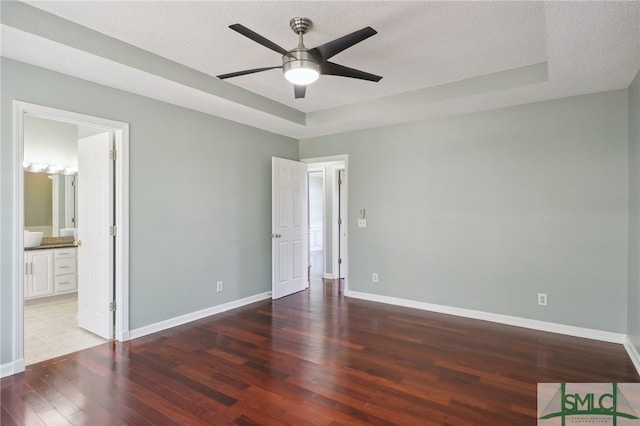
pixel 313 358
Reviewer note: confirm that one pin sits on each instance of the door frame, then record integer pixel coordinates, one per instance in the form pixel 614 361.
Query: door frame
pixel 121 216
pixel 334 160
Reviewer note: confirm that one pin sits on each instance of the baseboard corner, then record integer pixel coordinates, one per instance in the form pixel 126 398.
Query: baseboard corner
pixel 11 368
pixel 633 353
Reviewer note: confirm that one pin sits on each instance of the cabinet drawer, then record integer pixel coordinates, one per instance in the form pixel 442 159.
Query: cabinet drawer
pixel 64 266
pixel 66 253
pixel 64 283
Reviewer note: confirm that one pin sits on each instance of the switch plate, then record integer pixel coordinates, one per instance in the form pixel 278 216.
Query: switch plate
pixel 362 223
pixel 219 286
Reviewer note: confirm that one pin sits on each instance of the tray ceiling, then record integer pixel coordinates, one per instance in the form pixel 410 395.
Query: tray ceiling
pixel 436 58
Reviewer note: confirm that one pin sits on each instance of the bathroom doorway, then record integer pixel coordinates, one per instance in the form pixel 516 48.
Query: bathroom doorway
pixel 47 319
pixel 51 323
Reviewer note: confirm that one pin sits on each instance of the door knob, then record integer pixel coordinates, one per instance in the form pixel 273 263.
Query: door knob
pixel 77 243
pixel 276 235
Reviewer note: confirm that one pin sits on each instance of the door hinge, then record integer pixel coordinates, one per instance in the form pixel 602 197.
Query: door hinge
pixel 339 261
pixel 339 182
pixel 113 230
pixel 113 154
pixel 112 306
pixel 339 221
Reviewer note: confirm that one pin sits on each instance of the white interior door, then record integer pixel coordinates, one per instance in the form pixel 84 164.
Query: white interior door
pixel 290 231
pixel 95 216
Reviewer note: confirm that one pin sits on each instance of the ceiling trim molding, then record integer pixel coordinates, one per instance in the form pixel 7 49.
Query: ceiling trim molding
pixel 508 79
pixel 43 24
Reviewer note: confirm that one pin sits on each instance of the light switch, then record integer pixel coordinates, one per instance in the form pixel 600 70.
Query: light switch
pixel 362 220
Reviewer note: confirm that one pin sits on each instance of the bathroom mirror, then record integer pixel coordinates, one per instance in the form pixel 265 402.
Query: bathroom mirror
pixel 50 161
pixel 49 202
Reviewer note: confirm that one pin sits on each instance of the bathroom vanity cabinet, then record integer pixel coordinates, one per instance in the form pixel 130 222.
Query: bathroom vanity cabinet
pixel 49 272
pixel 38 270
pixel 64 270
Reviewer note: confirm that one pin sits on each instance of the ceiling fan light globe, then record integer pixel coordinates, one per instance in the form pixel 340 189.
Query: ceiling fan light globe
pixel 301 76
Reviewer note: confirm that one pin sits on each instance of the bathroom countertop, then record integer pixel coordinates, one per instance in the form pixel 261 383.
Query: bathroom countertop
pixel 49 246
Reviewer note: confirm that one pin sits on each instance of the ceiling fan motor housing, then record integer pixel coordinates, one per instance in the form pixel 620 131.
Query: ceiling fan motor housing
pixel 300 58
pixel 298 65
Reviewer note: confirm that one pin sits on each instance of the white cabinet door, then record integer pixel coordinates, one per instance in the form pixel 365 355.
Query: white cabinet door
pixel 39 273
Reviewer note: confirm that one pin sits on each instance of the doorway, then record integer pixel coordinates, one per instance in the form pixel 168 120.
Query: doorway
pixel 316 225
pixel 331 245
pixel 118 187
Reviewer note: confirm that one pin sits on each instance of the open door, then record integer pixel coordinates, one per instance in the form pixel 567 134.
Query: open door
pixel 95 250
pixel 290 231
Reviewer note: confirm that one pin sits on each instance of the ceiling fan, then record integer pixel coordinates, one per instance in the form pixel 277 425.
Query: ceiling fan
pixel 302 66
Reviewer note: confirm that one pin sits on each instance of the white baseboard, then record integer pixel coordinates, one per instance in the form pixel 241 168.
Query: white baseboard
pixel 11 368
pixel 123 336
pixel 633 353
pixel 18 366
pixel 194 316
pixel 328 276
pixel 551 327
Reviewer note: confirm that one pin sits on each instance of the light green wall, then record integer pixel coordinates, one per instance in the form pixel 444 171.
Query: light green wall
pixel 484 210
pixel 316 199
pixel 633 296
pixel 200 197
pixel 479 211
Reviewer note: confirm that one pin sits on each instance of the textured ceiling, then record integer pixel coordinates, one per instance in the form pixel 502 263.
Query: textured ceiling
pixel 437 58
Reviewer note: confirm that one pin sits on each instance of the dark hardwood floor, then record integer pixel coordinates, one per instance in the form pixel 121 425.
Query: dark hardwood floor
pixel 313 358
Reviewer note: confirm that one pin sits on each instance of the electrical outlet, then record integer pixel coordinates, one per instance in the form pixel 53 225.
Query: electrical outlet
pixel 220 286
pixel 374 277
pixel 542 299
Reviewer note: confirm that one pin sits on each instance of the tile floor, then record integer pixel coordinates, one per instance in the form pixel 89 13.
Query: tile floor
pixel 50 329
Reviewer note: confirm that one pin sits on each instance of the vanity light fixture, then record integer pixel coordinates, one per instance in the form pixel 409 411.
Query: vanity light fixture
pixel 48 168
pixel 55 169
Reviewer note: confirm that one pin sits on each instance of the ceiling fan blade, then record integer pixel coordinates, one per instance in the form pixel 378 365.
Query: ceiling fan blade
pixel 258 38
pixel 299 91
pixel 327 50
pixel 330 68
pixel 245 72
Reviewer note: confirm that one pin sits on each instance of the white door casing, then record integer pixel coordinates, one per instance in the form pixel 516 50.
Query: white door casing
pixel 342 226
pixel 332 165
pixel 121 264
pixel 289 227
pixel 95 254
